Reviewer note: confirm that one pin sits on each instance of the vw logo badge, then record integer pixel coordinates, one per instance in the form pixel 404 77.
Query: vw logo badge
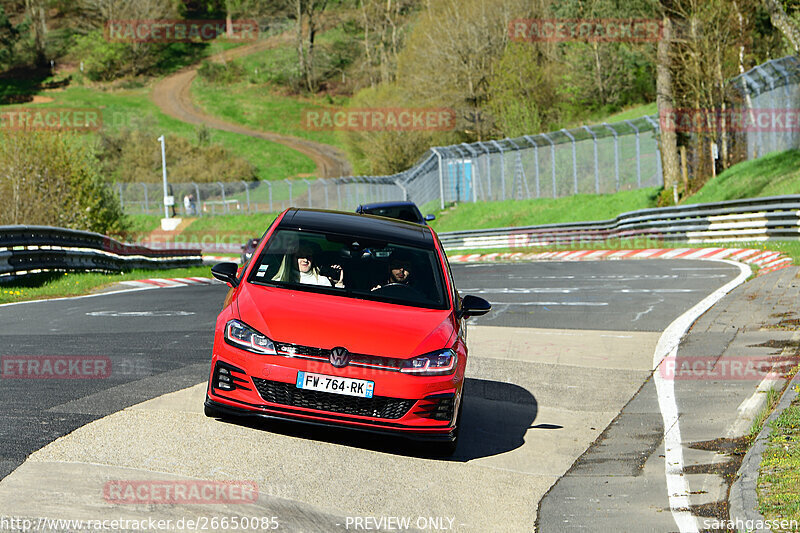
pixel 340 357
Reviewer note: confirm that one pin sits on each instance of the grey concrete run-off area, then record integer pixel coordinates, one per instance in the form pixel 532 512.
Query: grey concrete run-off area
pixel 619 483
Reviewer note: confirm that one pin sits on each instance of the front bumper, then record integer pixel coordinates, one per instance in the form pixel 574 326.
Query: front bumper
pixel 405 405
pixel 290 415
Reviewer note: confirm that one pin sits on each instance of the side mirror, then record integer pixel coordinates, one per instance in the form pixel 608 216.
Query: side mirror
pixel 428 218
pixel 473 306
pixel 226 272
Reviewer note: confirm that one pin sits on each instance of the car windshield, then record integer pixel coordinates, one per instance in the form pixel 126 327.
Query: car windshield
pixel 351 267
pixel 401 212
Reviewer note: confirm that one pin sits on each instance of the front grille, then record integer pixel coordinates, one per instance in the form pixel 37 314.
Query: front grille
pixel 298 350
pixel 288 394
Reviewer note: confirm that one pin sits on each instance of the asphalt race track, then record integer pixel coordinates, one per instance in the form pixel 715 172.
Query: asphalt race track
pixel 564 350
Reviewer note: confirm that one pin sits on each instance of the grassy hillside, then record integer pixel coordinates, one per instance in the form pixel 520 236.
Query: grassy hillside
pixel 772 175
pixel 128 107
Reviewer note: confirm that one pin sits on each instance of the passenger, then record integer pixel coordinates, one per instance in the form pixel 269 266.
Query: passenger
pixel 303 269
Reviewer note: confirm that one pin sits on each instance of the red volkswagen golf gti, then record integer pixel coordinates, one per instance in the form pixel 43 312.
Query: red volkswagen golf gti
pixel 347 320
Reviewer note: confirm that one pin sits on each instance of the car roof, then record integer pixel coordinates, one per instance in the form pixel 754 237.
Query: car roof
pixel 365 226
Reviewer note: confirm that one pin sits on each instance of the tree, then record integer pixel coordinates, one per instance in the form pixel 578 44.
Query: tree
pixel 523 92
pixel 9 35
pixel 786 25
pixel 666 105
pixel 384 25
pixel 51 178
pixel 450 55
pixel 36 13
pixel 306 16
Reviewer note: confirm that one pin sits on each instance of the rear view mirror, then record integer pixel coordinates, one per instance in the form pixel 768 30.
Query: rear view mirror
pixel 428 218
pixel 474 306
pixel 226 272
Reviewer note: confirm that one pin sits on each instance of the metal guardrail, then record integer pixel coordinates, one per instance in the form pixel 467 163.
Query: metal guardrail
pixel 31 249
pixel 754 219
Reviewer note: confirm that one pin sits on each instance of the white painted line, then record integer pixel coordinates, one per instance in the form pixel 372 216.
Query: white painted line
pixel 667 347
pixel 712 268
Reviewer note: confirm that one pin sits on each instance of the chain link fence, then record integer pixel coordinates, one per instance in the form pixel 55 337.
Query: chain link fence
pixel 598 159
pixel 772 91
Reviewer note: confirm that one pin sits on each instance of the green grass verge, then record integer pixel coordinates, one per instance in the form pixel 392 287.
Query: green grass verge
pixel 581 207
pixel 60 284
pixel 774 174
pixel 779 479
pixel 142 225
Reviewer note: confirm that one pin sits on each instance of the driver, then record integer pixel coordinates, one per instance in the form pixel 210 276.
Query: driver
pixel 400 270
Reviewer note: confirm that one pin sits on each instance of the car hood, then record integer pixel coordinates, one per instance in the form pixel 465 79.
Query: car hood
pixel 361 326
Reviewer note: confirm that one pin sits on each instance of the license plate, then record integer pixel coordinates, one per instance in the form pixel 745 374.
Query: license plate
pixel 347 386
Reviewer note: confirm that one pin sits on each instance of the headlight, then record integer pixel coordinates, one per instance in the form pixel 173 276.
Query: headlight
pixel 243 336
pixel 432 364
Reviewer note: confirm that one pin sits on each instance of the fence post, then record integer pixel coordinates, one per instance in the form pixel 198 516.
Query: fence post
pixel 771 81
pixel 536 162
pixel 638 155
pixel 224 204
pixel 502 169
pixel 339 193
pixel 574 159
pixel 788 141
pixel 291 200
pixel 269 187
pixel 757 145
pixel 441 177
pixel 489 195
pixel 519 171
pixel 198 212
pixel 656 130
pixel 247 192
pixel 552 161
pixel 616 153
pixel 596 162
pixel 473 171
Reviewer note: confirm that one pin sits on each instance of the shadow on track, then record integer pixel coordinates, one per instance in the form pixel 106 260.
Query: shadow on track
pixel 495 418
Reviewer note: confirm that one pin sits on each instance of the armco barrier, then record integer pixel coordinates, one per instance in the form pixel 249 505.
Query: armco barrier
pixel 30 249
pixel 754 219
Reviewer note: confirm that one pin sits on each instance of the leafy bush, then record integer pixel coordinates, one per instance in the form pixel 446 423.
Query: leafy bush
pixel 222 73
pixel 51 178
pixel 134 155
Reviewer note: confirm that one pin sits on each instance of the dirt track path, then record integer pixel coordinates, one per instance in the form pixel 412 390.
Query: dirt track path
pixel 173 96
